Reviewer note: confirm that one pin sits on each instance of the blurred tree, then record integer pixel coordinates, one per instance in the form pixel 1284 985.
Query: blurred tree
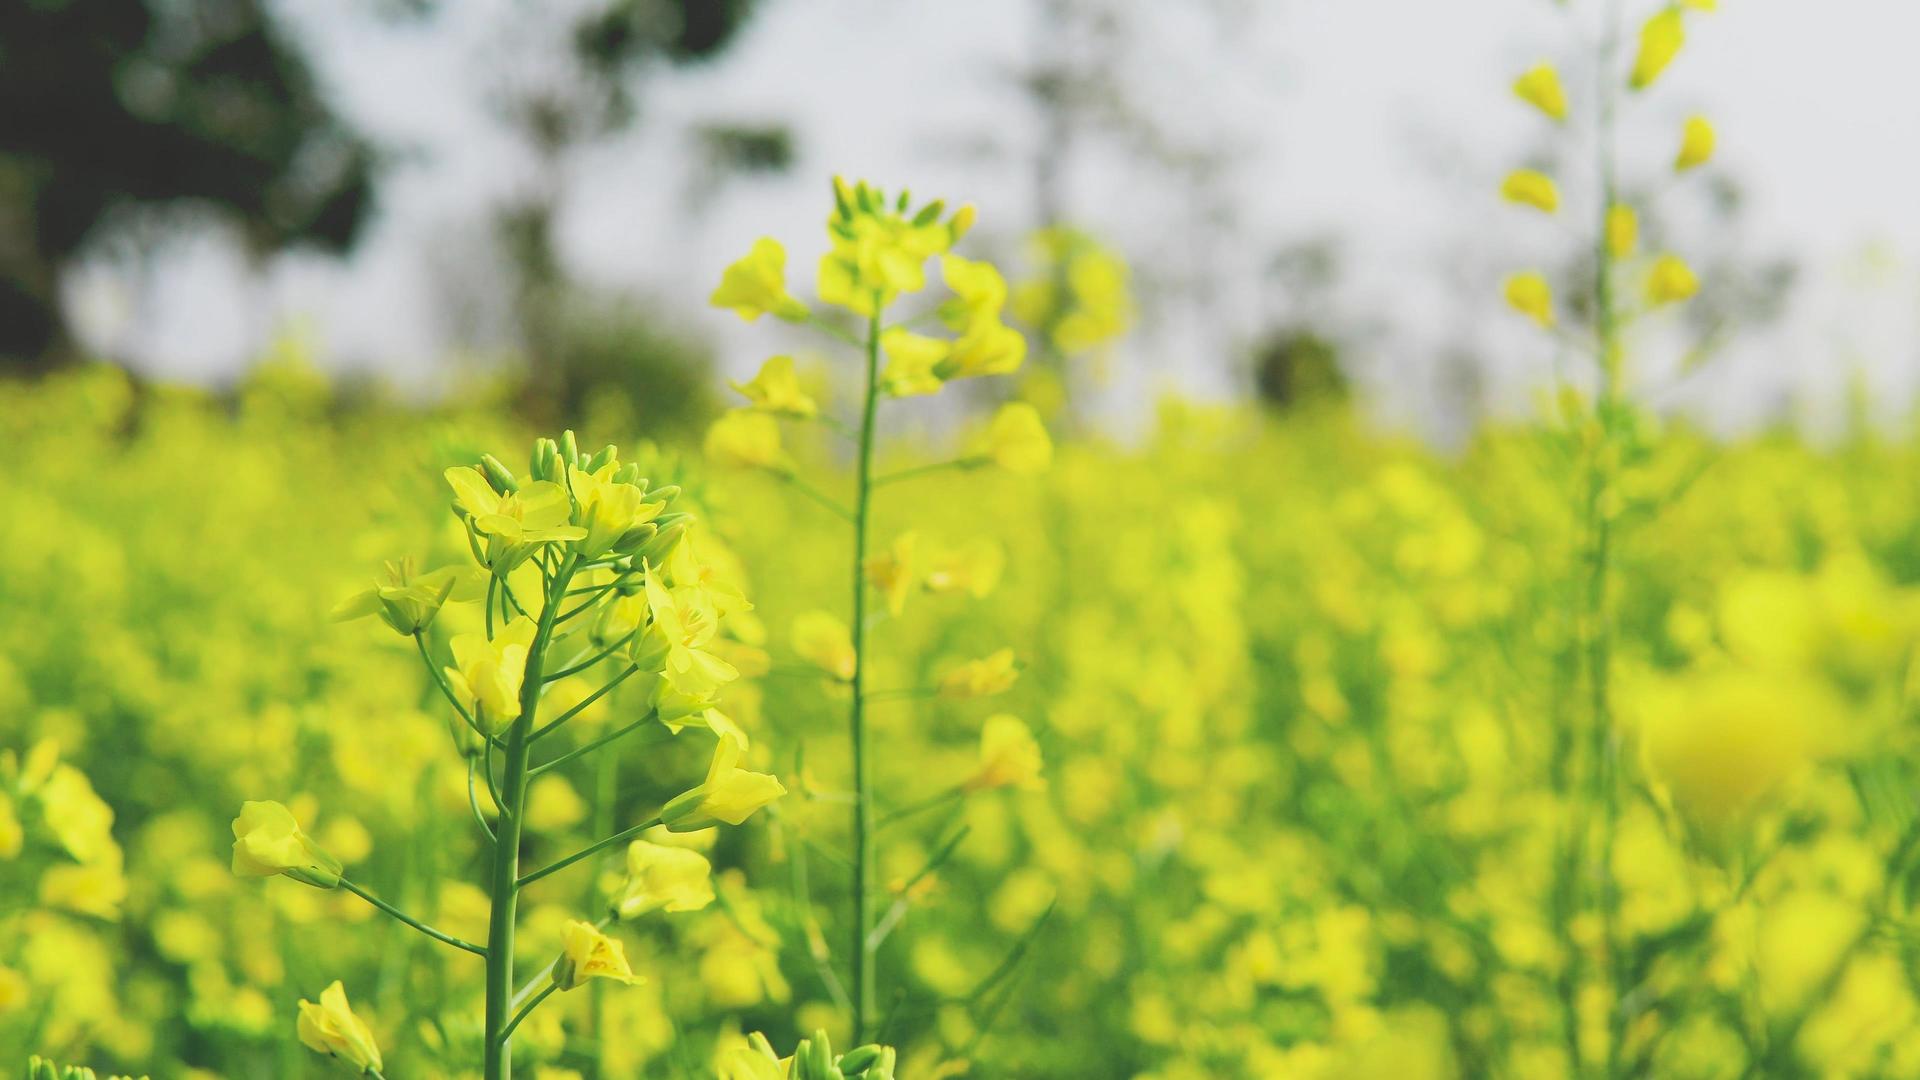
pixel 111 106
pixel 568 79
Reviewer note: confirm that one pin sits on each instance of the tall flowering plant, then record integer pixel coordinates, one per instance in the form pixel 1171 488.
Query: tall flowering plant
pixel 880 248
pixel 583 568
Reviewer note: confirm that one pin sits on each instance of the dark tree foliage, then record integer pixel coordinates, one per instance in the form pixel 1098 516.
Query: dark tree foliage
pixel 108 106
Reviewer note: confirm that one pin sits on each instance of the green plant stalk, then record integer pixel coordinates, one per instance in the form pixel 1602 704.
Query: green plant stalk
pixel 1600 660
pixel 1602 749
pixel 861 954
pixel 504 889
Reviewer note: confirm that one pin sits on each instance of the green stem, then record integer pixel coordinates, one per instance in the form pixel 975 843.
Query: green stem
pixel 445 939
pixel 527 1009
pixel 549 728
pixel 595 744
pixel 473 801
pixel 504 886
pixel 860 953
pixel 588 851
pixel 811 492
pixel 1603 752
pixel 589 661
pixel 926 470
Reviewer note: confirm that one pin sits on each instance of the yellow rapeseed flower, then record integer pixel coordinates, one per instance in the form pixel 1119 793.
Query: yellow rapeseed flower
pixel 892 571
pixel 1670 281
pixel 589 954
pixel 663 878
pixel 729 794
pixel 1660 41
pixel 1623 230
pixel 822 639
pixel 911 359
pixel 756 285
pixel 1539 86
pixel 610 511
pixel 744 439
pixel 989 675
pixel 973 568
pixel 268 841
pixel 1530 187
pixel 515 523
pixel 331 1028
pixel 410 603
pixel 1016 440
pixel 1696 144
pixel 1529 294
pixel 487 675
pixel 776 389
pixel 1009 756
pixel 684 626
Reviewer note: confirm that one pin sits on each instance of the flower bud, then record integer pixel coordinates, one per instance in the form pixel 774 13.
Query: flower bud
pixel 569 449
pixel 672 528
pixel 633 539
pixel 498 475
pixel 629 474
pixel 604 456
pixel 545 464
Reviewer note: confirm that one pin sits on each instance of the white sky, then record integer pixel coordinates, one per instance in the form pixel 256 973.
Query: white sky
pixel 1385 124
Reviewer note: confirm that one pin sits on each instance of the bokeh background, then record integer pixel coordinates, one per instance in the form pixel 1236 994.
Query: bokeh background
pixel 1268 167
pixel 1409 705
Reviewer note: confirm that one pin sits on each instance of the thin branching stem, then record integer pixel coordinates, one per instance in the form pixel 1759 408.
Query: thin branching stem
pixel 443 938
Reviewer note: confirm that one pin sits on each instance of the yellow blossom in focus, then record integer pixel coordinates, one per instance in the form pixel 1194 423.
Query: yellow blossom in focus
pixel 729 794
pixel 877 250
pixel 663 878
pixel 589 954
pixel 757 285
pixel 1696 144
pixel 515 524
pixel 1529 187
pixel 1529 294
pixel 744 439
pixel 487 676
pixel 684 625
pixel 823 640
pixel 409 604
pixel 268 841
pixel 1539 86
pixel 331 1028
pixel 776 389
pixel 1670 281
pixel 1009 756
pixel 1660 40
